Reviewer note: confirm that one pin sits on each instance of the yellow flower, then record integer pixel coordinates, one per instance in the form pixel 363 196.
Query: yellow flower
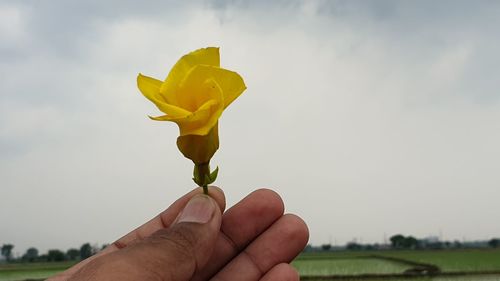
pixel 194 95
pixel 195 92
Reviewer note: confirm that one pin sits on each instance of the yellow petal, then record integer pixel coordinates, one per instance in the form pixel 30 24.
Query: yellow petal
pixel 210 114
pixel 199 122
pixel 230 83
pixel 197 88
pixel 150 88
pixel 205 56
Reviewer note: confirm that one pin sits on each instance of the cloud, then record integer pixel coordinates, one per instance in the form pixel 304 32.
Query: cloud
pixel 361 114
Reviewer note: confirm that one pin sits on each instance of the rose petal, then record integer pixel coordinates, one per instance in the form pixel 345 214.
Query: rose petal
pixel 205 56
pixel 150 88
pixel 199 122
pixel 230 82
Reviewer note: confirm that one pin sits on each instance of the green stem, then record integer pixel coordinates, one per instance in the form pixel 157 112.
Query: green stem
pixel 201 174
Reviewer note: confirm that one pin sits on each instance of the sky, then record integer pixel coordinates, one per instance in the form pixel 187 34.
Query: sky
pixel 369 118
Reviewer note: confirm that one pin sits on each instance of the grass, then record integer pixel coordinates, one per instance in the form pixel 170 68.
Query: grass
pixel 453 260
pixel 464 278
pixel 346 266
pixel 333 263
pixel 23 271
pixel 356 262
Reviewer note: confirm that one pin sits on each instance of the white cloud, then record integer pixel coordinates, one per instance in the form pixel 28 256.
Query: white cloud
pixel 11 23
pixel 365 119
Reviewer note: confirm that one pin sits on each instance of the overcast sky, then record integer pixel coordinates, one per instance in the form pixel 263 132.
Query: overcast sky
pixel 370 118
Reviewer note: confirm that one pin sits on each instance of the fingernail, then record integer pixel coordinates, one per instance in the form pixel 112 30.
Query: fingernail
pixel 199 209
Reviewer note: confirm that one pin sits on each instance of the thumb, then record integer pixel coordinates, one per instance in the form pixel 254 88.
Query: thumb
pixel 177 252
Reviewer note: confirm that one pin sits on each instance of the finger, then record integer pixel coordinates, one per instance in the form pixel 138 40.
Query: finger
pixel 165 218
pixel 241 224
pixel 282 242
pixel 281 272
pixel 162 220
pixel 173 253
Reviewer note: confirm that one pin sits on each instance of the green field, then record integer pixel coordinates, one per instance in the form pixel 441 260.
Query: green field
pixel 465 278
pixel 315 266
pixel 25 271
pixel 348 264
pixel 454 260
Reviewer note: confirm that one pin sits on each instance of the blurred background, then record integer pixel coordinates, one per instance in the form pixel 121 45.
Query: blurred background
pixel 370 118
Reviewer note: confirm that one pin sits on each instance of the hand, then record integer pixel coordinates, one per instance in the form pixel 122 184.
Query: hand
pixel 193 240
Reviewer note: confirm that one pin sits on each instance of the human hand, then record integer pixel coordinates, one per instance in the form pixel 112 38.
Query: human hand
pixel 193 240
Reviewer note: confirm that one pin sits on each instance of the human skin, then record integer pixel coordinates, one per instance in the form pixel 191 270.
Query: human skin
pixel 253 240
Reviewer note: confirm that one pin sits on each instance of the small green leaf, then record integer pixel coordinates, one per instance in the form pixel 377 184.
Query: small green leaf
pixel 213 175
pixel 202 175
pixel 195 173
pixel 209 179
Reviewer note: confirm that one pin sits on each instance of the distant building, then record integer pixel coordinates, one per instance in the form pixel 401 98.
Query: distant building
pixel 431 242
pixel 431 239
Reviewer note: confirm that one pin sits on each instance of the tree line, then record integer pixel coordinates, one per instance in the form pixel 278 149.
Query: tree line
pixel 53 255
pixel 409 242
pixel 400 241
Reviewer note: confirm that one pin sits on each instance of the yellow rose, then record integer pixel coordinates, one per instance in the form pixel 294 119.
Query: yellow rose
pixel 194 95
pixel 195 92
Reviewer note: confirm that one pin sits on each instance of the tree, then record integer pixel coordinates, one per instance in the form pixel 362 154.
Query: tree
pixel 353 246
pixel 85 251
pixel 494 243
pixel 31 255
pixel 410 242
pixel 55 255
pixel 43 257
pixel 73 254
pixel 397 241
pixel 7 251
pixel 326 247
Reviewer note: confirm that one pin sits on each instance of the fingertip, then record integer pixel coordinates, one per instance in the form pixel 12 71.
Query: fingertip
pixel 271 196
pixel 300 224
pixel 200 209
pixel 296 229
pixel 259 210
pixel 218 195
